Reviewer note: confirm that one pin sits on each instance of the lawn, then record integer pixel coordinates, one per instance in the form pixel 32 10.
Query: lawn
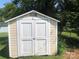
pixel 71 39
pixel 71 34
pixel 42 57
pixel 4 47
pixel 4 50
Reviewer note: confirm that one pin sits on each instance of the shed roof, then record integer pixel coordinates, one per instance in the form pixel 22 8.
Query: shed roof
pixel 32 11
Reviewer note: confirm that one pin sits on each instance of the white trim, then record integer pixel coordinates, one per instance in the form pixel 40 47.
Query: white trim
pixel 9 40
pixel 34 41
pixel 49 39
pixel 56 36
pixel 48 44
pixel 18 38
pixel 33 11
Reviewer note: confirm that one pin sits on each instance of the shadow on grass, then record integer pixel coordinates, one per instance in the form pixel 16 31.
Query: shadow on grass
pixel 41 57
pixel 4 52
pixel 71 42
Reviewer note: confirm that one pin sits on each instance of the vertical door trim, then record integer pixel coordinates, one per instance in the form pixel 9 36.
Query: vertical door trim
pixel 18 38
pixel 33 37
pixel 56 36
pixel 48 41
pixel 47 33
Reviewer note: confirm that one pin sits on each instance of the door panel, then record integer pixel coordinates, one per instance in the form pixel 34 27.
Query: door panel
pixel 26 38
pixel 40 42
pixel 40 30
pixel 41 47
pixel 27 48
pixel 27 30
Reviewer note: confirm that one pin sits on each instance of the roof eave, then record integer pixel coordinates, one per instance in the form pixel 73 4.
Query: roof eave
pixel 30 12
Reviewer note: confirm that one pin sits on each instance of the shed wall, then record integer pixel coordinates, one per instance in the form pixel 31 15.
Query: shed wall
pixel 13 39
pixel 53 37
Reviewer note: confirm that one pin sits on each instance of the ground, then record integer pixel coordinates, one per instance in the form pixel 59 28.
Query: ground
pixel 68 54
pixel 71 54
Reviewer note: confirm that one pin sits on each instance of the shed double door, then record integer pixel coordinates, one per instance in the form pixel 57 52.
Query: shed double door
pixel 33 37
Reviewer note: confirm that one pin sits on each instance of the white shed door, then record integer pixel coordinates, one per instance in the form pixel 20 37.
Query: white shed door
pixel 26 41
pixel 41 34
pixel 33 37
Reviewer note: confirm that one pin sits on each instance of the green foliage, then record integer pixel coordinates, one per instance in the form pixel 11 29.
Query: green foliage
pixel 7 12
pixel 69 21
pixel 61 45
pixel 31 4
pixel 72 5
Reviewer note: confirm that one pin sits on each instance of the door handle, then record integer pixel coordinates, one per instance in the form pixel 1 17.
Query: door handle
pixel 33 38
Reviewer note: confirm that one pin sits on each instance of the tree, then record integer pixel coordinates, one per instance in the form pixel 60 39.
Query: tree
pixel 69 14
pixel 1 14
pixel 31 4
pixel 9 11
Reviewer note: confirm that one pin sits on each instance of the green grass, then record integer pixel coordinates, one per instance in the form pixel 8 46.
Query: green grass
pixel 3 34
pixel 42 57
pixel 72 35
pixel 71 39
pixel 3 45
pixel 4 50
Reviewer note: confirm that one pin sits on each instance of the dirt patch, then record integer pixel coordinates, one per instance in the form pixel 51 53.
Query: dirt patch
pixel 71 54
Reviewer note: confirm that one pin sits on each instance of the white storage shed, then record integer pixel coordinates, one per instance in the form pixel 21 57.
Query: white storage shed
pixel 32 33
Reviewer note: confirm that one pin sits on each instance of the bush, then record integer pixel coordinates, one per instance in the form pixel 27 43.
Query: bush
pixel 61 45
